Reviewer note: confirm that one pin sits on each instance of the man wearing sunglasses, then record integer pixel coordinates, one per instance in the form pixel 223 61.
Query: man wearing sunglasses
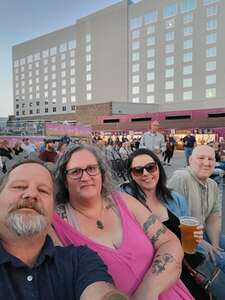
pixel 153 139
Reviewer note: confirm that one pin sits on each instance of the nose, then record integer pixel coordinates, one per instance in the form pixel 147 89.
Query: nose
pixel 85 175
pixel 30 193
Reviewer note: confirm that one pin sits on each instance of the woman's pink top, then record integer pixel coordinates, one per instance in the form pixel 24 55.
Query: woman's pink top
pixel 130 261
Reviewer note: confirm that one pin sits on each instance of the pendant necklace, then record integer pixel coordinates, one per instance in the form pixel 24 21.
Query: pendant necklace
pixel 98 222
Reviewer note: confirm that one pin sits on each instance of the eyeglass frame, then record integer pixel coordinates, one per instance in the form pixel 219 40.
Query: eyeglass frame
pixel 82 171
pixel 153 168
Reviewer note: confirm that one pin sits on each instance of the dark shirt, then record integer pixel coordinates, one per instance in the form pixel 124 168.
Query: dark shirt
pixel 50 156
pixel 6 152
pixel 60 273
pixel 189 141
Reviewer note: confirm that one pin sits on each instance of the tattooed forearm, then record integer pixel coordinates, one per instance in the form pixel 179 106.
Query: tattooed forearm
pixel 156 236
pixel 160 262
pixel 115 296
pixel 151 220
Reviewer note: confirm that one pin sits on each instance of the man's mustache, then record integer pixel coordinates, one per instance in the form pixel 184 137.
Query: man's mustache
pixel 28 203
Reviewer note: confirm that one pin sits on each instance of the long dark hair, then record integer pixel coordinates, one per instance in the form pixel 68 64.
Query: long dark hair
pixel 162 191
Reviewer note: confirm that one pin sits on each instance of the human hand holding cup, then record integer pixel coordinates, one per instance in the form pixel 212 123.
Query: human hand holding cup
pixel 189 236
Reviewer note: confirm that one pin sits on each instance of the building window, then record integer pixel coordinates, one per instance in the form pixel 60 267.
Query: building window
pixel 64 108
pixel 170 10
pixel 150 17
pixel 169 48
pixel 88 77
pixel 72 44
pixel 211 52
pixel 188 44
pixel 135 23
pixel 169 85
pixel 211 24
pixel 187 57
pixel 187 70
pixel 210 93
pixel 211 11
pixel 170 24
pixel 73 98
pixel 135 56
pixel 135 79
pixel 169 97
pixel 89 96
pixel 188 30
pixel 188 18
pixel 46 110
pixel 150 76
pixel 150 88
pixel 88 48
pixel 73 89
pixel 54 109
pixel 211 65
pixel 136 100
pixel 150 53
pixel 150 64
pixel 135 90
pixel 169 60
pixel 31 112
pixel 135 34
pixel 88 38
pixel 88 87
pixel 150 41
pixel 187 82
pixel 53 51
pixel 187 5
pixel 150 99
pixel 169 73
pixel 169 36
pixel 64 100
pixel 135 68
pixel 207 2
pixel 187 95
pixel 135 45
pixel 37 111
pixel 211 79
pixel 72 80
pixel 150 29
pixel 211 38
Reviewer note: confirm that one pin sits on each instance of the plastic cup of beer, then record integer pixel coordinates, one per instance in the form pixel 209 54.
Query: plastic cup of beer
pixel 187 227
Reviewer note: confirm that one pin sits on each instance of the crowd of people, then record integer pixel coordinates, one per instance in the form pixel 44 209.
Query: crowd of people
pixel 99 221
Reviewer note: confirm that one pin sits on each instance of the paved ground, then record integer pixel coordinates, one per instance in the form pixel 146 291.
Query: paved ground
pixel 178 162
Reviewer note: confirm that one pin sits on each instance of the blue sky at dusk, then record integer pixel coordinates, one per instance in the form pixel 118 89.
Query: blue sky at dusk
pixel 27 19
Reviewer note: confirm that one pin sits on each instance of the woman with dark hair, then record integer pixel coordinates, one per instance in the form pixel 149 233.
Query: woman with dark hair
pixel 90 212
pixel 147 183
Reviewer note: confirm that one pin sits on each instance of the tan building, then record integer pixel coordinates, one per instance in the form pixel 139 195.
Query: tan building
pixel 166 54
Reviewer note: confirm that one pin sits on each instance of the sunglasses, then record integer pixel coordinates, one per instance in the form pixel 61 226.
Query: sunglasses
pixel 150 168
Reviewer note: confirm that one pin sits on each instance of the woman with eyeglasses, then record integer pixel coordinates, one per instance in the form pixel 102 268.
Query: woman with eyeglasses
pixel 147 183
pixel 143 257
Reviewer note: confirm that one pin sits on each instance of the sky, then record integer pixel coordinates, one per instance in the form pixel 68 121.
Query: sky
pixel 27 19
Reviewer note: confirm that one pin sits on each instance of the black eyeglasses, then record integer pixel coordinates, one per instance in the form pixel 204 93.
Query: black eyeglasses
pixel 77 173
pixel 138 171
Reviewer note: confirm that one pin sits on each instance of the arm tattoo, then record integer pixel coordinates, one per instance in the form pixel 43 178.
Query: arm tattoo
pixel 114 296
pixel 160 262
pixel 156 236
pixel 151 220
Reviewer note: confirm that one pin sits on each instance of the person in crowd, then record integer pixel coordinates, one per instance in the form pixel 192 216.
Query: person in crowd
pixel 42 146
pixel 49 155
pixel 147 183
pixel 31 266
pixel 5 150
pixel 201 193
pixel 17 149
pixel 65 139
pixel 61 148
pixel 153 139
pixel 143 257
pixel 189 142
pixel 170 146
pixel 27 146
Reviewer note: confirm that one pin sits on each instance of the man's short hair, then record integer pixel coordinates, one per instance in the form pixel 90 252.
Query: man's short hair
pixel 4 178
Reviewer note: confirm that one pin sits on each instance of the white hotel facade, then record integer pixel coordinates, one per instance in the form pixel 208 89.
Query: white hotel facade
pixel 162 54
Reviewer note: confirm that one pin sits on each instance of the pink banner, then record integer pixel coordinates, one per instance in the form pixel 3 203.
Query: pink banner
pixel 54 129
